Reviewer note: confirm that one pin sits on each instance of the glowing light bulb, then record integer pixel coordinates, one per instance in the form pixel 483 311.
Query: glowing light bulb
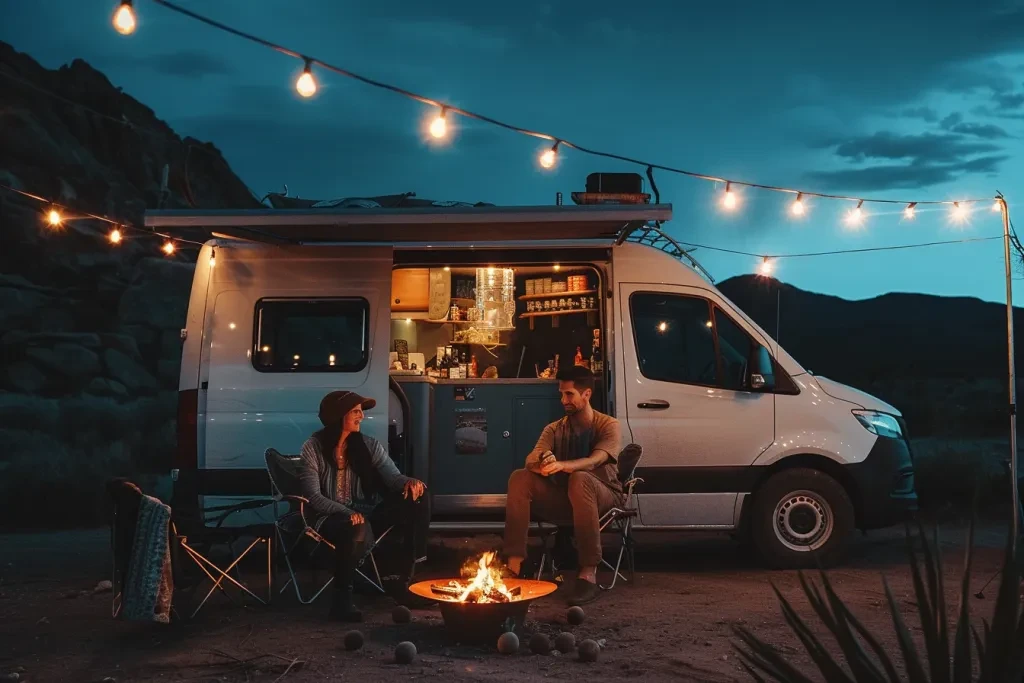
pixel 766 267
pixel 549 157
pixel 856 216
pixel 124 18
pixel 909 212
pixel 439 127
pixel 997 206
pixel 306 84
pixel 557 267
pixel 115 236
pixel 168 247
pixel 797 208
pixel 959 212
pixel 729 198
pixel 662 326
pixel 54 218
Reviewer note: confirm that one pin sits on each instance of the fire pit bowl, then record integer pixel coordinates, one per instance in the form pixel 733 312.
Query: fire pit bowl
pixel 484 621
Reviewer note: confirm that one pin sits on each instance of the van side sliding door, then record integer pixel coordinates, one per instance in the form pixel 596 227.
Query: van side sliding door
pixel 684 371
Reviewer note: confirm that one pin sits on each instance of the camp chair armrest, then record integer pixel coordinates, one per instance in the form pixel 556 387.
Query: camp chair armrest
pixel 228 510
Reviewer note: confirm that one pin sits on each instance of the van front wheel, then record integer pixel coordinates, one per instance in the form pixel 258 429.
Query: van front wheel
pixel 800 515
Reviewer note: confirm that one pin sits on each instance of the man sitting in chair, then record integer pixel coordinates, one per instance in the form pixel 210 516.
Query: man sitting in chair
pixel 351 480
pixel 571 474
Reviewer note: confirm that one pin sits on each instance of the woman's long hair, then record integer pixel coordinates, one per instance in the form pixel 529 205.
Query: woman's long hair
pixel 358 454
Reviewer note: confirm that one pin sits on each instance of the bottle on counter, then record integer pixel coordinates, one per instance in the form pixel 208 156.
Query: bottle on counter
pixel 473 368
pixel 596 361
pixel 578 360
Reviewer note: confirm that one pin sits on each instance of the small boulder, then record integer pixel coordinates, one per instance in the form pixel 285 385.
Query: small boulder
pixel 405 652
pixel 565 642
pixel 588 651
pixel 401 614
pixel 508 643
pixel 353 640
pixel 540 644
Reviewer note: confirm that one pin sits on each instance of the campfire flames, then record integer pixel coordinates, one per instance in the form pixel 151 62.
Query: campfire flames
pixel 482 583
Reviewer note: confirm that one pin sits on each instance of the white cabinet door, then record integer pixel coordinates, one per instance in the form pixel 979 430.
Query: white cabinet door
pixel 684 364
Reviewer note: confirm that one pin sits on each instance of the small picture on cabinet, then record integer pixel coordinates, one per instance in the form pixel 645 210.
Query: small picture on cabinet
pixel 471 431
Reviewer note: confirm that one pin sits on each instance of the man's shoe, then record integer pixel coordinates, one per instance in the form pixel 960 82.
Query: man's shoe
pixel 342 608
pixel 583 592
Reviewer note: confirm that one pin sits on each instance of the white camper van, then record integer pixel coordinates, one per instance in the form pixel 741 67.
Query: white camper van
pixel 455 320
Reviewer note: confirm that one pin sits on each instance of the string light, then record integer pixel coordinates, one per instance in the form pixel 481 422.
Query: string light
pixel 766 267
pixel 439 127
pixel 960 212
pixel 908 212
pixel 115 236
pixel 856 216
pixel 729 198
pixel 797 208
pixel 168 247
pixel 54 218
pixel 306 84
pixel 997 206
pixel 549 157
pixel 213 257
pixel 124 18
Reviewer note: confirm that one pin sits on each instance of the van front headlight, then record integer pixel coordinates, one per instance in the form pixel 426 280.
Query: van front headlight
pixel 879 423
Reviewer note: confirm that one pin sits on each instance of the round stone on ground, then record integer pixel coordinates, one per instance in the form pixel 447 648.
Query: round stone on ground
pixel 508 643
pixel 405 652
pixel 589 650
pixel 401 614
pixel 565 642
pixel 353 640
pixel 540 644
pixel 575 615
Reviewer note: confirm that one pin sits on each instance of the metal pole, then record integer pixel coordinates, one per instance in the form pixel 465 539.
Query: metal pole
pixel 1012 371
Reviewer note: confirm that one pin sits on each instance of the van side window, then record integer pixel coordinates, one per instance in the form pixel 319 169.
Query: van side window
pixel 735 348
pixel 311 335
pixel 674 338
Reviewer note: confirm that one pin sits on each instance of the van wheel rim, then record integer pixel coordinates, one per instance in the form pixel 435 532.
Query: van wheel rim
pixel 803 521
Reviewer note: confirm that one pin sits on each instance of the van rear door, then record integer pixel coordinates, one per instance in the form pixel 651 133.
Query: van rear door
pixel 286 326
pixel 684 364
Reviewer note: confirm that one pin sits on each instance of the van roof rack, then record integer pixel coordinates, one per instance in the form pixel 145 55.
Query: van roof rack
pixel 653 236
pixel 452 224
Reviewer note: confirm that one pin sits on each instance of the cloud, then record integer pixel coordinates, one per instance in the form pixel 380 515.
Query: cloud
pixel 950 121
pixel 924 148
pixel 924 113
pixel 986 131
pixel 908 176
pixel 1011 101
pixel 186 63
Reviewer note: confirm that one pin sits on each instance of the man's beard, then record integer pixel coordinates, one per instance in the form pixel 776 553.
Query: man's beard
pixel 570 409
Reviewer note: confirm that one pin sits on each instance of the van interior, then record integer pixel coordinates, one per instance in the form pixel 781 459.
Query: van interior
pixel 475 348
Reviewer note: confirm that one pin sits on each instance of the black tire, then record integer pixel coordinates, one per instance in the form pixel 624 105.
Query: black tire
pixel 800 517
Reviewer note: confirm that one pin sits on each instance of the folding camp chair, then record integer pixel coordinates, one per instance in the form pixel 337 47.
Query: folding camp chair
pixel 293 527
pixel 190 537
pixel 619 519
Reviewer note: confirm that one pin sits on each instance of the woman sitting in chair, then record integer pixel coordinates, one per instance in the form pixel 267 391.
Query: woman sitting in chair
pixel 351 480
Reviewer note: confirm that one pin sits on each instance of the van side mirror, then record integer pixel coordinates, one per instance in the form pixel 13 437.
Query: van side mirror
pixel 762 373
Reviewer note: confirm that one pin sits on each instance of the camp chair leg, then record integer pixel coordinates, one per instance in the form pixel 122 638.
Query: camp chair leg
pixel 223 573
pixel 616 573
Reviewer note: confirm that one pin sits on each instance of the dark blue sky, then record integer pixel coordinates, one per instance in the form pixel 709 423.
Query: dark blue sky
pixel 917 100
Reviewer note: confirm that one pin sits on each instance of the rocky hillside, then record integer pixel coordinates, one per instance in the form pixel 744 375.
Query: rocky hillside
pixel 90 331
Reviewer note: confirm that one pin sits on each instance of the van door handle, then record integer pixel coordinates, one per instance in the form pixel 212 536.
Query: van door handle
pixel 656 404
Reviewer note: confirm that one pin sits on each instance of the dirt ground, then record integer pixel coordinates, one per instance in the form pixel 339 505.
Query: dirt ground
pixel 674 622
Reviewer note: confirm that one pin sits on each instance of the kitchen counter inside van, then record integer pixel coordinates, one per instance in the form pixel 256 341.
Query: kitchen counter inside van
pixel 423 379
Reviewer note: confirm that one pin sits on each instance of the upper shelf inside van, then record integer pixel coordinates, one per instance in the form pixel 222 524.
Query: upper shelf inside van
pixel 483 224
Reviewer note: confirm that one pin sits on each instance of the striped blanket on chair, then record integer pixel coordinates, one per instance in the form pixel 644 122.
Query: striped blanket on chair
pixel 149 583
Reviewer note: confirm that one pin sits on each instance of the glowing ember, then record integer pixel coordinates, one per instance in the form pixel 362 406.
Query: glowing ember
pixel 482 583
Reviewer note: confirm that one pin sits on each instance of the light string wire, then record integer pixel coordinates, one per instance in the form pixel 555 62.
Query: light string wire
pixel 69 213
pixel 445 108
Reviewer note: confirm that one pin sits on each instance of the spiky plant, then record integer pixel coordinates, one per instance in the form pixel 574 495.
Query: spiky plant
pixel 998 647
